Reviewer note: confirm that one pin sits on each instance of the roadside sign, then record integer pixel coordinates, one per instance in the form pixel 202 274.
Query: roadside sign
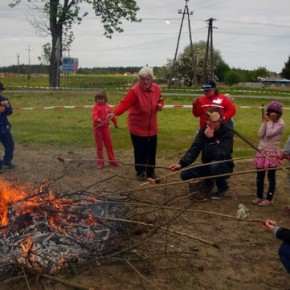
pixel 69 64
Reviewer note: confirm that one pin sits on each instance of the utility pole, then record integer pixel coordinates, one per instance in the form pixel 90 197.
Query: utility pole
pixel 17 55
pixel 188 13
pixel 28 50
pixel 208 62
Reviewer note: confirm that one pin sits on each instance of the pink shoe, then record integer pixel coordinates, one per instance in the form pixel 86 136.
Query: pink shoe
pixel 100 165
pixel 257 201
pixel 265 202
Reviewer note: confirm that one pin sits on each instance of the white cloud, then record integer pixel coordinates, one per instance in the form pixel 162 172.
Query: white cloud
pixel 249 34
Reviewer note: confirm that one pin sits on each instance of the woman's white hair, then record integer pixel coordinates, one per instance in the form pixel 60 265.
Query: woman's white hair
pixel 146 71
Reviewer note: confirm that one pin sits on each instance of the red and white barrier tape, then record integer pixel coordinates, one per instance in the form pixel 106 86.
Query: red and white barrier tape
pixel 53 107
pixel 287 93
pixel 90 106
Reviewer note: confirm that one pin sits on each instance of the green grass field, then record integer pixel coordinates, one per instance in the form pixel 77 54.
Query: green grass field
pixel 72 128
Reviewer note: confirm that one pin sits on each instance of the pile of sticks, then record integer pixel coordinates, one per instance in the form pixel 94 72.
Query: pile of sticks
pixel 50 234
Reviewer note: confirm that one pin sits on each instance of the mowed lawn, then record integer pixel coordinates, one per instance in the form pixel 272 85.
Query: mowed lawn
pixel 72 128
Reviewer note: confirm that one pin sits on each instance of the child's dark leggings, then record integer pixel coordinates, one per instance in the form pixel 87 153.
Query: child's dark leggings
pixel 260 183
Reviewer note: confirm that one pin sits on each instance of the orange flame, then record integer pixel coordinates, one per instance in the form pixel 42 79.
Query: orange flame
pixel 26 245
pixel 22 199
pixel 9 194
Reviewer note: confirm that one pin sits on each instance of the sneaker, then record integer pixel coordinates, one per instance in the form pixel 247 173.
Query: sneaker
pixel 218 195
pixel 207 187
pixel 153 176
pixel 100 165
pixel 9 166
pixel 265 202
pixel 141 176
pixel 257 201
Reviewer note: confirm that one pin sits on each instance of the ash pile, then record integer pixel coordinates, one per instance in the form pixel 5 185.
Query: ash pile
pixel 46 234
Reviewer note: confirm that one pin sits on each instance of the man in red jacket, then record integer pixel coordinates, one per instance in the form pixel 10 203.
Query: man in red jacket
pixel 212 98
pixel 143 101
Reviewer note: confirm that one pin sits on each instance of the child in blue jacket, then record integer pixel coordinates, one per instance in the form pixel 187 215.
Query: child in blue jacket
pixel 5 135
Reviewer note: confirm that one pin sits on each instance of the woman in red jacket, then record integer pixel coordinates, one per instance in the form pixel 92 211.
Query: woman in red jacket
pixel 212 98
pixel 143 101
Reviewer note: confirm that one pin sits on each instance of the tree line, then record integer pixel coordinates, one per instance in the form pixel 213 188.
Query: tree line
pixel 182 76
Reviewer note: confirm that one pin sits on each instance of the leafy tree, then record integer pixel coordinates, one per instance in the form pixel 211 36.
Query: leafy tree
pixel 238 75
pixel 161 73
pixel 261 72
pixel 62 14
pixel 286 70
pixel 193 72
pixel 232 77
pixel 45 55
pixel 222 68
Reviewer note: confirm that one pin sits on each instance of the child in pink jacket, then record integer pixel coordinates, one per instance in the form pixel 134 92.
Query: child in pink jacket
pixel 270 134
pixel 101 129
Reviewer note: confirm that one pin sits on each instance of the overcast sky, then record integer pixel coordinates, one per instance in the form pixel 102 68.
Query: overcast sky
pixel 249 34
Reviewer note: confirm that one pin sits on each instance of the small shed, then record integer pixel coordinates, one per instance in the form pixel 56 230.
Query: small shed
pixel 273 80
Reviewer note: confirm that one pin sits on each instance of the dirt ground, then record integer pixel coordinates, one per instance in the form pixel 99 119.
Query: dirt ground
pixel 190 244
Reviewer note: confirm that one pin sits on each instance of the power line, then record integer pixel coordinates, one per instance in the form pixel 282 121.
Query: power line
pixel 226 20
pixel 252 34
pixel 255 23
pixel 185 32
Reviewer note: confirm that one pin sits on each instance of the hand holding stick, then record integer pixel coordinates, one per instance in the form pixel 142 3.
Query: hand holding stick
pixel 268 225
pixel 110 116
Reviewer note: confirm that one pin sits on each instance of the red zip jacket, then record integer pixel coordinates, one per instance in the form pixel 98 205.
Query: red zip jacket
pixel 142 106
pixel 220 101
pixel 100 113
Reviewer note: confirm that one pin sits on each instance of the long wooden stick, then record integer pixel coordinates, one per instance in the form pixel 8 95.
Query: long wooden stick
pixel 198 178
pixel 249 142
pixel 197 166
pixel 161 228
pixel 256 148
pixel 63 159
pixel 26 279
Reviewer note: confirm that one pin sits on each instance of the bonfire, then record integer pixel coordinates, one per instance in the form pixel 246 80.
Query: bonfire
pixel 46 232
